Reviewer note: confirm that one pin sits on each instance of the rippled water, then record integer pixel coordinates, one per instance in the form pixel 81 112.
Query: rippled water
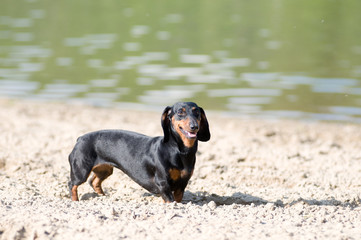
pixel 293 59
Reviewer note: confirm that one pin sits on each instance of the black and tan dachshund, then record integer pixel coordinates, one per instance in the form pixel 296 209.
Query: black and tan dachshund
pixel 162 165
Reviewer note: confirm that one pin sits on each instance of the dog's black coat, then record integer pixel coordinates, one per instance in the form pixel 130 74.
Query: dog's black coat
pixel 162 165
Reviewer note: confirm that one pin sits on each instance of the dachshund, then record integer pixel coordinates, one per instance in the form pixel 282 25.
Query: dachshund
pixel 162 165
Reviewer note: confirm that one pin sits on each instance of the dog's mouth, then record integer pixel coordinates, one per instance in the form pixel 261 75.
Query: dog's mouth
pixel 188 134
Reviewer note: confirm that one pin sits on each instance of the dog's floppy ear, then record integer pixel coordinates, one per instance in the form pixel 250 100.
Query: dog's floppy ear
pixel 203 134
pixel 166 123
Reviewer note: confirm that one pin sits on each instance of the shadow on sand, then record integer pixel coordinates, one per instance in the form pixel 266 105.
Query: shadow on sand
pixel 246 199
pixel 202 198
pixel 236 198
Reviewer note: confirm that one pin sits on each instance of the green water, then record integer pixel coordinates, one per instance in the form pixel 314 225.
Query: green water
pixel 269 58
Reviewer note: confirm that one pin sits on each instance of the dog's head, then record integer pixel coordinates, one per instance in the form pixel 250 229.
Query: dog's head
pixel 187 121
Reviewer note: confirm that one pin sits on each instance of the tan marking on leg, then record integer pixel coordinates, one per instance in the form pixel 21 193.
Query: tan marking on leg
pixel 101 172
pixel 174 174
pixel 74 193
pixel 178 195
pixel 96 183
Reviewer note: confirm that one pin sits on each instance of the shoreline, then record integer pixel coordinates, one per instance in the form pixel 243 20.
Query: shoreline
pixel 255 179
pixel 272 115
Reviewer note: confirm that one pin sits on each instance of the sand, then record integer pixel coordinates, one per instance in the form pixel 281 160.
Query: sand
pixel 254 179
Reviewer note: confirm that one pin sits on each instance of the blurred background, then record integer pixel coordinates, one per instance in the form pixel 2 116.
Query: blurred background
pixel 263 58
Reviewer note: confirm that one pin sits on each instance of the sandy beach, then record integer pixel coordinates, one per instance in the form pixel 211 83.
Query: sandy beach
pixel 255 179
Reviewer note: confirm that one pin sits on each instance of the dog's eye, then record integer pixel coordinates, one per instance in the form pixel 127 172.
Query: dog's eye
pixel 196 112
pixel 181 112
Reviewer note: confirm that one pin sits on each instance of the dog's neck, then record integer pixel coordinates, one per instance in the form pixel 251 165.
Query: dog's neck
pixel 183 150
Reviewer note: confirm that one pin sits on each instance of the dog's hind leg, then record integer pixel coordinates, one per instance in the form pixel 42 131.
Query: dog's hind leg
pixel 101 172
pixel 75 180
pixel 74 192
pixel 79 173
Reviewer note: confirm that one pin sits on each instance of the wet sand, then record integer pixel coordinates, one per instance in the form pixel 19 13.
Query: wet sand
pixel 254 179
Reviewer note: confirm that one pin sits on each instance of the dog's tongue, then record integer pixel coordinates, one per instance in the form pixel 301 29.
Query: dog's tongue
pixel 192 135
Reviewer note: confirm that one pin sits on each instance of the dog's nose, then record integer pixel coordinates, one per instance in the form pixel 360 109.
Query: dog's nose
pixel 193 126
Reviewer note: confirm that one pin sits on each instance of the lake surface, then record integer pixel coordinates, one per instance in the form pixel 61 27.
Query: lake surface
pixel 263 58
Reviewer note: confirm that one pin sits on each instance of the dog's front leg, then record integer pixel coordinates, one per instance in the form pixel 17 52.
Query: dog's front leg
pixel 164 189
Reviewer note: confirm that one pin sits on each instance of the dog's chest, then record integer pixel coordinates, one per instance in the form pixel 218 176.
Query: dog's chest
pixel 176 174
